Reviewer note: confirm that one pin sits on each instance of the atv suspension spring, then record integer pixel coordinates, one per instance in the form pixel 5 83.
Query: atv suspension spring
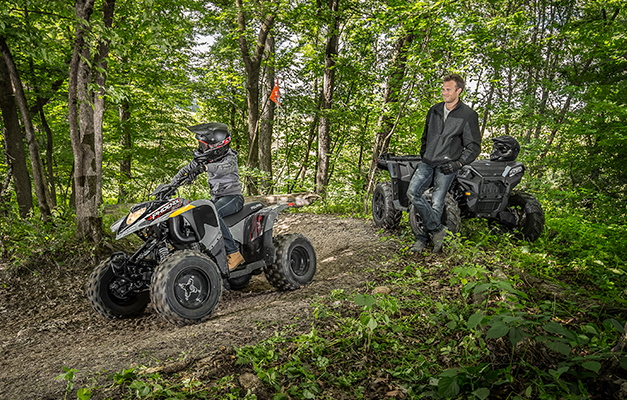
pixel 164 252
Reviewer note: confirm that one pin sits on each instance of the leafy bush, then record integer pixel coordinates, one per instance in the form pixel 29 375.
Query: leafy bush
pixel 27 242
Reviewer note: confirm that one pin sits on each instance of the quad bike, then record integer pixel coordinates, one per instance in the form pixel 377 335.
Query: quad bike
pixel 182 266
pixel 482 189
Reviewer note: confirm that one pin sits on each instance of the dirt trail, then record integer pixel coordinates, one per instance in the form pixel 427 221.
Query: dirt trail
pixel 47 324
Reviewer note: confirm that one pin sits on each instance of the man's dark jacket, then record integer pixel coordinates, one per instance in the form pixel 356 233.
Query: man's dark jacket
pixel 457 139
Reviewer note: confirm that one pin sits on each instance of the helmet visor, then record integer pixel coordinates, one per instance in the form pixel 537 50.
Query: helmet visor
pixel 204 146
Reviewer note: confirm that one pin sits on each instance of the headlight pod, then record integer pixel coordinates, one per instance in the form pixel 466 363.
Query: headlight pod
pixel 133 216
pixel 515 171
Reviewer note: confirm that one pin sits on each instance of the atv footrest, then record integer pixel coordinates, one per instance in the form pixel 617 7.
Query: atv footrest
pixel 253 268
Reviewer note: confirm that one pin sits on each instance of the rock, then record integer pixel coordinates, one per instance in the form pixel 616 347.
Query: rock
pixel 381 290
pixel 251 382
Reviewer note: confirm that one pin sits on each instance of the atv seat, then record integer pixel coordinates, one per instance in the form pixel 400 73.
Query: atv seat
pixel 248 209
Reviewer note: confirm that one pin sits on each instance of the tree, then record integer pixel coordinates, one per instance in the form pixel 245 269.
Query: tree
pixel 41 186
pixel 252 63
pixel 390 114
pixel 266 127
pixel 328 86
pixel 85 114
pixel 14 143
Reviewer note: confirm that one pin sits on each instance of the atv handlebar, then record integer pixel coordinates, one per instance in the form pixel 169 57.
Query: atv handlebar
pixel 392 157
pixel 165 191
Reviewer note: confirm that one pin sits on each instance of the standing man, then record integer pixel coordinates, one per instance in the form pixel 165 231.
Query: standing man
pixel 451 139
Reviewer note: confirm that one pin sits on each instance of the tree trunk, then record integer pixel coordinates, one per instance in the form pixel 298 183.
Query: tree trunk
pixel 49 150
pixel 41 186
pixel 328 86
pixel 14 144
pixel 252 64
pixel 267 120
pixel 85 117
pixel 100 78
pixel 302 172
pixel 127 146
pixel 389 117
pixel 486 113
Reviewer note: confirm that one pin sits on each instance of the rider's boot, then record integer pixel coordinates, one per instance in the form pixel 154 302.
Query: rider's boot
pixel 234 260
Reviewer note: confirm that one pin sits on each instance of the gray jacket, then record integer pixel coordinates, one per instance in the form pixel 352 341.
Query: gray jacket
pixel 222 175
pixel 456 139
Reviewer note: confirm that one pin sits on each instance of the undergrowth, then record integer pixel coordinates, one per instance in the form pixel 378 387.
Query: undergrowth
pixel 25 243
pixel 490 318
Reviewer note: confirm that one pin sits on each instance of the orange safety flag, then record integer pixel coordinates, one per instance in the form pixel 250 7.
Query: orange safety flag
pixel 276 94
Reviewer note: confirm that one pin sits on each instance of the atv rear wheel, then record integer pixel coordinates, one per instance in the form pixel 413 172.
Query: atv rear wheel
pixel 384 214
pixel 528 217
pixel 451 216
pixel 186 288
pixel 108 295
pixel 295 264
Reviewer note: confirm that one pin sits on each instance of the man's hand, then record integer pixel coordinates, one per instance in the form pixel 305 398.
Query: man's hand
pixel 450 167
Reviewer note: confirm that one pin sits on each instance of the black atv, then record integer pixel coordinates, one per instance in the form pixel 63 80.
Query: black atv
pixel 482 189
pixel 181 266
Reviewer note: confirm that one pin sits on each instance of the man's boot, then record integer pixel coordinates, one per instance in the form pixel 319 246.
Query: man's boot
pixel 234 260
pixel 418 247
pixel 438 239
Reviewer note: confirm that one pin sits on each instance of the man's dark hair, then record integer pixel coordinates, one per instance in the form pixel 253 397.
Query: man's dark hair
pixel 459 81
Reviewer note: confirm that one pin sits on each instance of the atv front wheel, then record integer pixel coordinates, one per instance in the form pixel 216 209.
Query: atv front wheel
pixel 186 288
pixel 295 264
pixel 384 214
pixel 451 216
pixel 526 217
pixel 111 296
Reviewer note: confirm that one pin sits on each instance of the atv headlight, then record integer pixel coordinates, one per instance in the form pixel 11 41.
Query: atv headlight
pixel 465 173
pixel 132 217
pixel 515 171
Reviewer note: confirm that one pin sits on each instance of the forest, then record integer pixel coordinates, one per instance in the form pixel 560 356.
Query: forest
pixel 96 97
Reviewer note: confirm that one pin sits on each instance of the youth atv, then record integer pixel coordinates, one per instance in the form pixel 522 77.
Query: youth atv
pixel 182 267
pixel 482 189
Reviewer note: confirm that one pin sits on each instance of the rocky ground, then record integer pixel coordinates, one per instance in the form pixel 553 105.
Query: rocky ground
pixel 46 323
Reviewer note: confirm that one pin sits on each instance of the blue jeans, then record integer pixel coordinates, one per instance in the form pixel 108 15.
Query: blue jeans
pixel 431 214
pixel 227 205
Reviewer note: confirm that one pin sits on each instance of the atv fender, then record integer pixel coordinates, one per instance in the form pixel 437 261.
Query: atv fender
pixel 198 222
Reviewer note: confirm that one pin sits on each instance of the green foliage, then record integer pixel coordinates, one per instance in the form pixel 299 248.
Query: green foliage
pixel 28 242
pixel 342 203
pixel 68 376
pixel 545 73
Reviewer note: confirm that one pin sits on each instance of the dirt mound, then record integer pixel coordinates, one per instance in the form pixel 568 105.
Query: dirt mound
pixel 46 322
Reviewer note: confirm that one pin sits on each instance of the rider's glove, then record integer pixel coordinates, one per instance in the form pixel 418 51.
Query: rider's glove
pixel 450 167
pixel 191 175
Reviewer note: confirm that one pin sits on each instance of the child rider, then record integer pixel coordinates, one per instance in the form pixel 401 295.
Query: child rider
pixel 220 162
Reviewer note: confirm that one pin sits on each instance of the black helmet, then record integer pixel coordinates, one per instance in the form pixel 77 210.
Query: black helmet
pixel 213 141
pixel 504 148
